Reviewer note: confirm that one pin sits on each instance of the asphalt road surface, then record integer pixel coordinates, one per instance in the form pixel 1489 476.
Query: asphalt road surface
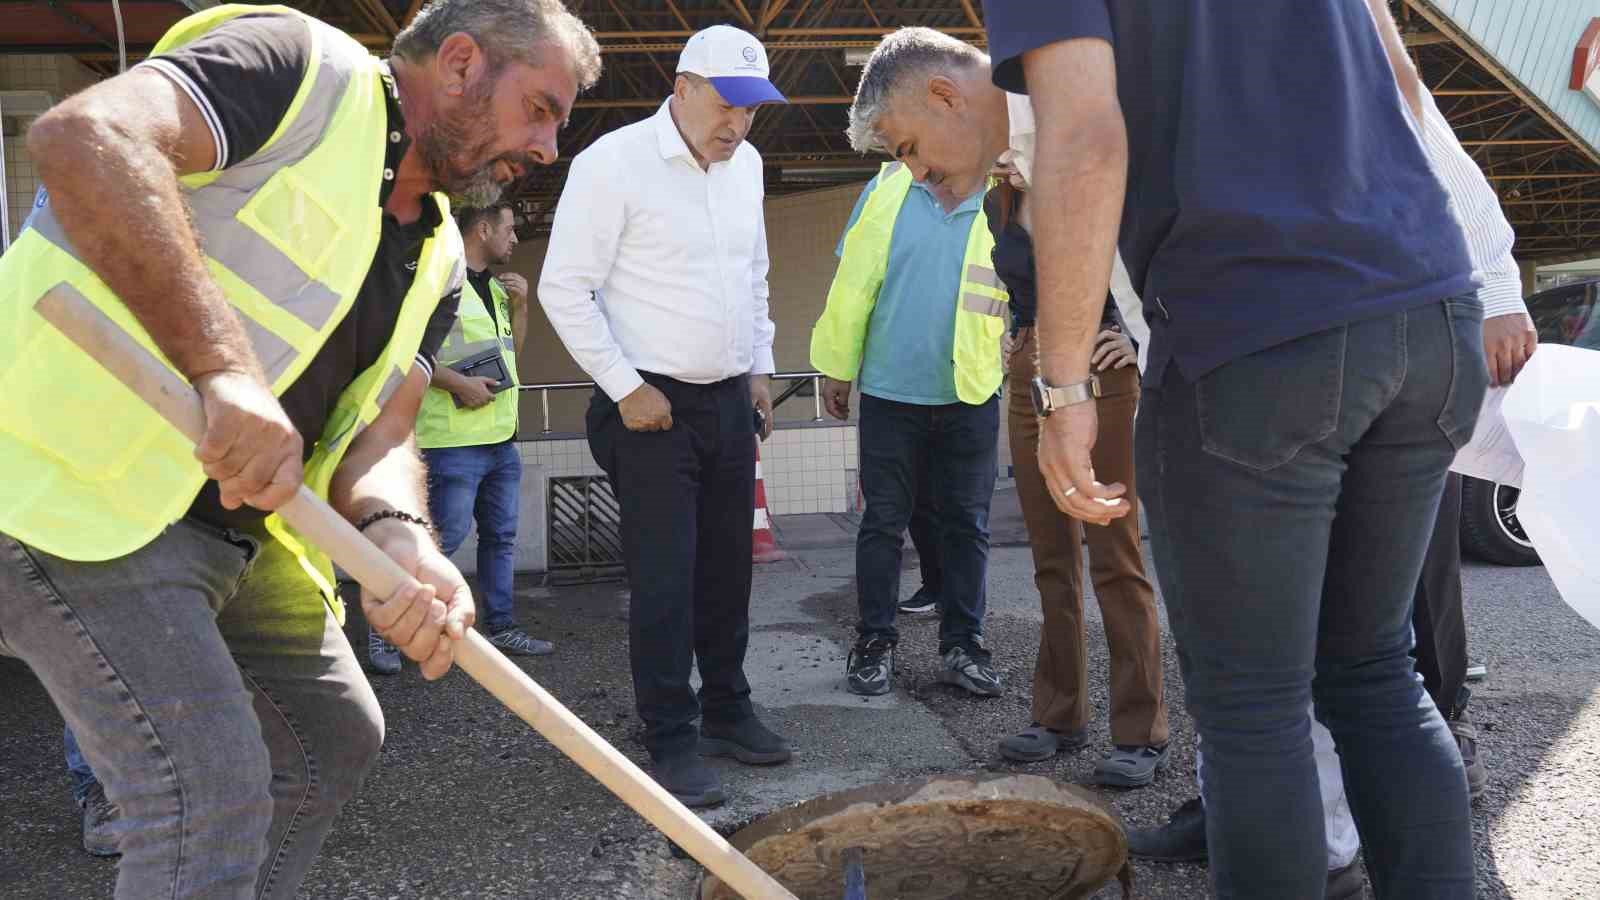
pixel 469 802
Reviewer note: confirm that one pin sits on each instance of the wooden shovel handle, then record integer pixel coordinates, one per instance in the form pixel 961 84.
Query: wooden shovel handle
pixel 176 401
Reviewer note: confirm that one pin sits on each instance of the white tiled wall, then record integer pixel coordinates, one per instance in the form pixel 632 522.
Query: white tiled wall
pixel 21 183
pixel 560 458
pixel 58 76
pixel 806 470
pixel 810 470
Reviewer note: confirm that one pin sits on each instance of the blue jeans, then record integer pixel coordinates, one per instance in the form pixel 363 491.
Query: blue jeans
pixel 482 483
pixel 82 776
pixel 1291 496
pixel 951 448
pixel 213 693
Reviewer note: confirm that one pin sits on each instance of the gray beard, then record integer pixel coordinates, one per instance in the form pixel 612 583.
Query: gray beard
pixel 480 190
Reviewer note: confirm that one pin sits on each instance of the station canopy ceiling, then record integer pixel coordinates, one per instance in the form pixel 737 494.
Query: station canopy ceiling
pixel 1548 181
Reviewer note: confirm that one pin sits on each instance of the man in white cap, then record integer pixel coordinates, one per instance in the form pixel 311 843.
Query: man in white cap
pixel 656 281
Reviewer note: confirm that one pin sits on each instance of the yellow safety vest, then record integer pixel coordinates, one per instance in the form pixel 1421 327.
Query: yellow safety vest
pixel 982 313
pixel 91 473
pixel 441 423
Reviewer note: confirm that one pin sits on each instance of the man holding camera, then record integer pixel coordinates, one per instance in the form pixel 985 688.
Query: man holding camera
pixel 467 428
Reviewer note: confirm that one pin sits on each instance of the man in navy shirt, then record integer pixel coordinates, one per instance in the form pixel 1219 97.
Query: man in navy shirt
pixel 1315 360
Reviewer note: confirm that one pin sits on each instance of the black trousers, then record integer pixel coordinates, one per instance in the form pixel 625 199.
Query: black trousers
pixel 1437 616
pixel 687 498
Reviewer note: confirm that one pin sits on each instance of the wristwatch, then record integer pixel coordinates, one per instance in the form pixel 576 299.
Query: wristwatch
pixel 1048 398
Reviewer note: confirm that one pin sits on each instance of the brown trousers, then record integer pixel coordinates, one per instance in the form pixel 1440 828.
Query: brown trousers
pixel 1127 602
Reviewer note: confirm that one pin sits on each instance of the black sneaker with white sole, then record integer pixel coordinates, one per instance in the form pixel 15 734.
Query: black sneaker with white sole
pixel 923 601
pixel 964 670
pixel 870 669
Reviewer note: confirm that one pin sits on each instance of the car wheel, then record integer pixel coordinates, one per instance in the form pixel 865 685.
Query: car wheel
pixel 1490 530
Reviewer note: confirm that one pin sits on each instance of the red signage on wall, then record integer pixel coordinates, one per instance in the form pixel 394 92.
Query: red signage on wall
pixel 1586 58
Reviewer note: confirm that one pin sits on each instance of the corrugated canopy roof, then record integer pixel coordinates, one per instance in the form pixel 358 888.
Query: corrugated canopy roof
pixel 1544 169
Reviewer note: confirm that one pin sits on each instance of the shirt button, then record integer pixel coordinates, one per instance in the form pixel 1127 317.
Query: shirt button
pixel 394 137
pixel 388 174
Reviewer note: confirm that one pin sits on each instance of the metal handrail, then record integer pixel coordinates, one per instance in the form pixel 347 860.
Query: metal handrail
pixel 800 378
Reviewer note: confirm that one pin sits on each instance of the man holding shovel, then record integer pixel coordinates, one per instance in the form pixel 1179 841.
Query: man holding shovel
pixel 183 631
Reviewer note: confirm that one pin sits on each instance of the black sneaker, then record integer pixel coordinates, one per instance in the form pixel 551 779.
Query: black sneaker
pixel 964 671
pixel 870 668
pixel 1182 839
pixel 747 740
pixel 99 819
pixel 923 601
pixel 687 777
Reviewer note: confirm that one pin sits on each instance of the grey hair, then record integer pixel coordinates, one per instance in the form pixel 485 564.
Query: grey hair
pixel 899 57
pixel 507 30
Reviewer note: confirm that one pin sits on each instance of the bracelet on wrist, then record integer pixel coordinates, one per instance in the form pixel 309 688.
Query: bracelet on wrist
pixel 401 515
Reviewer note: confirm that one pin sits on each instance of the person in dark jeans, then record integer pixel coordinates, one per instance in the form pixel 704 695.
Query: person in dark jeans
pixel 1315 361
pixel 915 313
pixel 958 445
pixel 1437 617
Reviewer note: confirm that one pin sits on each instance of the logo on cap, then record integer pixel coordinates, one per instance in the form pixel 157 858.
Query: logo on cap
pixel 749 54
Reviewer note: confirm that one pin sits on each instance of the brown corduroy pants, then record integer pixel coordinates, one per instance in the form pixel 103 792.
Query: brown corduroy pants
pixel 1127 601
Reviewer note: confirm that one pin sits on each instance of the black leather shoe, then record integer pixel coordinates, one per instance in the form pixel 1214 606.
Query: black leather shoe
pixel 747 740
pixel 1182 839
pixel 686 776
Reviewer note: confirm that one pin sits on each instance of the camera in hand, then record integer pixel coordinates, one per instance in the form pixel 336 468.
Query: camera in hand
pixel 486 364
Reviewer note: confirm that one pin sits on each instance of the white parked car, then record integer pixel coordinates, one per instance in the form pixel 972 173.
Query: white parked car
pixel 1489 527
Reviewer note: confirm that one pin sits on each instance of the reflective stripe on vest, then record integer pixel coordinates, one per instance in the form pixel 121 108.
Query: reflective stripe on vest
pixel 440 423
pixel 982 304
pixel 289 235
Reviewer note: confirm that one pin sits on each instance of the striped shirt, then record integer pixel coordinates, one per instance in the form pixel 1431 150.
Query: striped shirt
pixel 1476 207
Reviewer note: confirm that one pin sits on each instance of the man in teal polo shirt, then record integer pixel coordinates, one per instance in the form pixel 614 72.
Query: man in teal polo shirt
pixel 915 314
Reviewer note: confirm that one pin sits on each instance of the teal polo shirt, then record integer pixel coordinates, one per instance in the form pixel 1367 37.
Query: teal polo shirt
pixel 911 336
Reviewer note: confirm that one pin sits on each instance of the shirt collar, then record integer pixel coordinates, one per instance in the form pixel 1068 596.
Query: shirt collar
pixel 396 141
pixel 668 137
pixel 969 205
pixel 1019 109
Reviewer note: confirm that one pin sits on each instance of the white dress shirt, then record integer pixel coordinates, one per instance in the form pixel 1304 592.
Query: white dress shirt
pixel 1020 155
pixel 1477 207
pixel 657 265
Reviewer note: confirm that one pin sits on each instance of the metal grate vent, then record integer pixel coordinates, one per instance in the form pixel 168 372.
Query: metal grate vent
pixel 585 522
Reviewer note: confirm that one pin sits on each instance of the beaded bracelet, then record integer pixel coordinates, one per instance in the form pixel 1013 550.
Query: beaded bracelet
pixel 382 514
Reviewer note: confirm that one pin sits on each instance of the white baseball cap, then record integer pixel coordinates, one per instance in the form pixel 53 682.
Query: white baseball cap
pixel 734 62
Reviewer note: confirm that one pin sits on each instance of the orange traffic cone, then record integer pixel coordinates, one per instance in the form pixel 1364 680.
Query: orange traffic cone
pixel 765 546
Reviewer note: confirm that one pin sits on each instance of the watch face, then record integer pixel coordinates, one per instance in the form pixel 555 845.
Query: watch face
pixel 1040 408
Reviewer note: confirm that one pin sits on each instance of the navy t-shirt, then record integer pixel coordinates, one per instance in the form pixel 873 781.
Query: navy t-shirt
pixel 1276 187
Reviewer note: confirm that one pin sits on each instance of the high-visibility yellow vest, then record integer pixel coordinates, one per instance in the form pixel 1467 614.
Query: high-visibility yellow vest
pixel 441 423
pixel 91 473
pixel 982 310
